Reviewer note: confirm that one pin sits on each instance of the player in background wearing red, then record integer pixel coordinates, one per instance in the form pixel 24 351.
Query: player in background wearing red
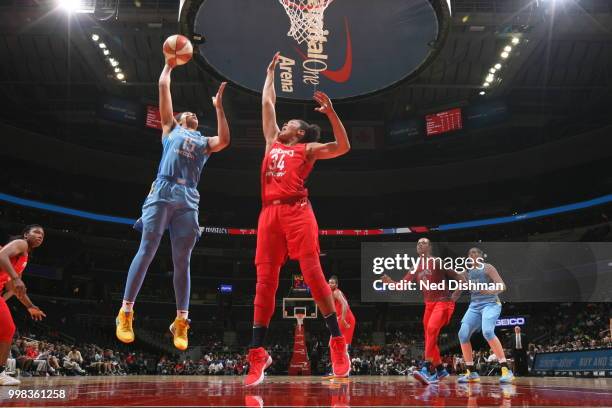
pixel 346 318
pixel 439 307
pixel 13 260
pixel 287 226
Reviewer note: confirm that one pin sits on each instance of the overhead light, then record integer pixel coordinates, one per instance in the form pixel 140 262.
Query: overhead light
pixel 113 62
pixel 504 55
pixel 69 6
pixel 120 76
pixel 95 37
pixel 515 40
pixel 492 70
pixel 106 52
pixel 490 78
pixel 102 45
pixel 481 93
pixel 117 70
pixel 507 48
pixel 497 66
pixel 486 84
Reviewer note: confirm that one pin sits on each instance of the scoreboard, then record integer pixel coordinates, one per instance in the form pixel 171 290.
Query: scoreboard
pixel 442 122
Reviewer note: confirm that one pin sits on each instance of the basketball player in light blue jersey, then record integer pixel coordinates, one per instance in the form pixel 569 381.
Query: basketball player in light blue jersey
pixel 483 312
pixel 172 204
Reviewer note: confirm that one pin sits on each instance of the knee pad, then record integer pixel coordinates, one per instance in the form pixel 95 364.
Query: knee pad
pixel 464 334
pixel 488 333
pixel 313 275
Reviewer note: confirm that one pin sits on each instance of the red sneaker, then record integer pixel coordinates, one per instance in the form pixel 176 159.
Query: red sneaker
pixel 259 360
pixel 341 364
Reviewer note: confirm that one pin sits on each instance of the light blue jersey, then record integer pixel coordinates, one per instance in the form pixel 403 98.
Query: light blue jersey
pixel 184 154
pixel 483 312
pixel 479 275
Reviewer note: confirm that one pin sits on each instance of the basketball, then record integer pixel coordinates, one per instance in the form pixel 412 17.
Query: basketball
pixel 177 50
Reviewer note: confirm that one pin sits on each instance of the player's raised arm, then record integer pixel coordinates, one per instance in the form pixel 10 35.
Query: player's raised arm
pixel 268 100
pixel 341 143
pixel 166 111
pixel 222 140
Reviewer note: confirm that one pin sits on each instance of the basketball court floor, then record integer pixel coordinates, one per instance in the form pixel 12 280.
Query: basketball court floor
pixel 306 391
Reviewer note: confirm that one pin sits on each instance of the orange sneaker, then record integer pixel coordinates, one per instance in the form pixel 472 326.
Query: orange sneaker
pixel 341 364
pixel 259 360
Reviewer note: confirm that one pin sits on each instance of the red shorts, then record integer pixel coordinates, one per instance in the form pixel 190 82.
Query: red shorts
pixel 7 326
pixel 286 230
pixel 347 333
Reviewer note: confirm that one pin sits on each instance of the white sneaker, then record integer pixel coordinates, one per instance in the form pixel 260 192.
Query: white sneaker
pixel 6 379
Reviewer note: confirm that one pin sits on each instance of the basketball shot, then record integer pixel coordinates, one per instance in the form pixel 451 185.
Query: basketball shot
pixel 13 260
pixel 287 226
pixel 439 307
pixel 173 202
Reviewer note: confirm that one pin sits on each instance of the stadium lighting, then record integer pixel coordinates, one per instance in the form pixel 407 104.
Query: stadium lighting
pixel 497 66
pixel 117 70
pixel 95 37
pixel 482 93
pixel 504 55
pixel 106 52
pixel 69 6
pixel 113 62
pixel 490 78
pixel 120 76
pixel 515 40
pixel 102 45
pixel 492 70
pixel 486 84
pixel 508 48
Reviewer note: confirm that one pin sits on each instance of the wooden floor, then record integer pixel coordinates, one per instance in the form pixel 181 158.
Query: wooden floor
pixel 303 391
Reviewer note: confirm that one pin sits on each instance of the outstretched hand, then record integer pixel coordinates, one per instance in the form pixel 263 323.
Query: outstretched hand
pixel 36 313
pixel 325 104
pixel 217 100
pixel 274 61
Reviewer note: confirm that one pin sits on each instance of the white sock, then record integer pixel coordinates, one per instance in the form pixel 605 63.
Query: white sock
pixel 127 307
pixel 502 360
pixel 183 314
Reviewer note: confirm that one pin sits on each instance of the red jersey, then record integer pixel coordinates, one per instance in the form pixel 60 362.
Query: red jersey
pixel 338 306
pixel 431 270
pixel 19 263
pixel 284 171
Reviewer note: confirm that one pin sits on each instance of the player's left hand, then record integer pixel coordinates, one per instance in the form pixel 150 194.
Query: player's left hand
pixel 217 100
pixel 36 313
pixel 325 104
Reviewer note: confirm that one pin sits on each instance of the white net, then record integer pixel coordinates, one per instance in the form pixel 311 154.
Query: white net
pixel 306 17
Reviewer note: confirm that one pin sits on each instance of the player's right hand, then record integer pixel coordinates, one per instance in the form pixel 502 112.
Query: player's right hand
pixel 346 324
pixel 274 61
pixel 386 279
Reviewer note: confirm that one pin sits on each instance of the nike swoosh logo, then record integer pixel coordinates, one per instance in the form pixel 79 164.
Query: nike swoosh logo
pixel 344 73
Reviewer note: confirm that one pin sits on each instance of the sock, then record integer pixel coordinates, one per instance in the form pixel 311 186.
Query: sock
pixel 127 306
pixel 439 367
pixel 332 324
pixel 259 334
pixel 184 314
pixel 2 369
pixel 504 364
pixel 469 366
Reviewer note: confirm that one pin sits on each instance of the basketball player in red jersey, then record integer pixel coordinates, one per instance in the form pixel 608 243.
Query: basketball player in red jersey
pixel 287 226
pixel 439 307
pixel 13 260
pixel 346 319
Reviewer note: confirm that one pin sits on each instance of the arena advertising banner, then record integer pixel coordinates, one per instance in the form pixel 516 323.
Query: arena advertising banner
pixel 487 114
pixel 585 360
pixel 528 271
pixel 120 110
pixel 404 132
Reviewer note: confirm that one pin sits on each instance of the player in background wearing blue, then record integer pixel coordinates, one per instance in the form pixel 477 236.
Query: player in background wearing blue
pixel 172 203
pixel 483 312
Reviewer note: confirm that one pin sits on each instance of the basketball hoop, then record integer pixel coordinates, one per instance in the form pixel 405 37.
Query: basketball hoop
pixel 306 17
pixel 300 318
